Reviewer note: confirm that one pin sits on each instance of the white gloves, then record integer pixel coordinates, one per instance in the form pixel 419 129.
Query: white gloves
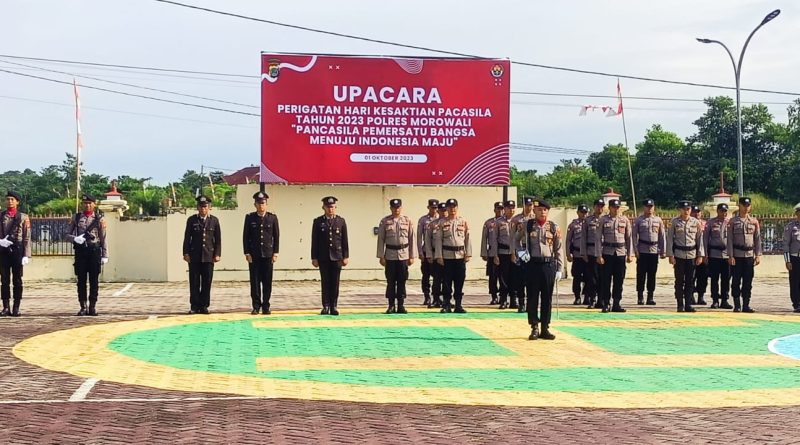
pixel 25 261
pixel 80 239
pixel 5 242
pixel 103 260
pixel 558 276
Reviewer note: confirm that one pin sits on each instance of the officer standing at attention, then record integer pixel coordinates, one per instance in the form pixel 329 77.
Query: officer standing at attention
pixel 15 251
pixel 202 247
pixel 518 270
pixel 261 241
pixel 87 232
pixel 491 270
pixel 744 253
pixel 575 235
pixel 543 240
pixel 650 244
pixel 396 251
pixel 593 267
pixel 330 252
pixel 701 270
pixel 425 265
pixel 453 251
pixel 500 251
pixel 715 237
pixel 613 249
pixel 437 271
pixel 685 250
pixel 791 254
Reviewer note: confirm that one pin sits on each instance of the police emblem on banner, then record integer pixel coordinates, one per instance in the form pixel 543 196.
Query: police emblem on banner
pixel 497 70
pixel 274 68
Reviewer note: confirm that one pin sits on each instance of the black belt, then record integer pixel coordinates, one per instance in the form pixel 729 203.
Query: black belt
pixel 716 248
pixel 746 249
pixel 503 246
pixel 541 260
pixel 453 248
pixel 589 244
pixel 684 248
pixel 613 244
pixel 396 247
pixel 649 243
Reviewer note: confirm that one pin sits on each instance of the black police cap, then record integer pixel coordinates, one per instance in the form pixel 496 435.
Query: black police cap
pixel 510 203
pixel 452 202
pixel 722 206
pixel 648 202
pixel 203 201
pixel 614 202
pixel 498 205
pixel 599 202
pixel 695 208
pixel 744 200
pixel 260 196
pixel 329 200
pixel 13 194
pixel 395 202
pixel 583 208
pixel 442 205
pixel 433 203
pixel 88 198
pixel 684 204
pixel 527 200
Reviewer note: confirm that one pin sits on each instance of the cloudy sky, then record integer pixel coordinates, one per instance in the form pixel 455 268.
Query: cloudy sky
pixel 133 136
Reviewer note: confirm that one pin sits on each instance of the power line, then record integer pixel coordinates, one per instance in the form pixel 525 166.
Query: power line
pixel 459 54
pixel 603 96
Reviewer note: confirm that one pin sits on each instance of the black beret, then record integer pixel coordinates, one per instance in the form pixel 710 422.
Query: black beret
pixel 510 203
pixel 329 200
pixel 684 204
pixel 452 202
pixel 260 196
pixel 202 201
pixel 744 200
pixel 583 208
pixel 599 202
pixel 88 198
pixel 433 203
pixel 648 202
pixel 13 194
pixel 395 202
pixel 614 202
pixel 541 203
pixel 498 205
pixel 722 206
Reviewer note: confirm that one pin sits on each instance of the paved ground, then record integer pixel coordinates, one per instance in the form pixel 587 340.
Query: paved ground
pixel 35 404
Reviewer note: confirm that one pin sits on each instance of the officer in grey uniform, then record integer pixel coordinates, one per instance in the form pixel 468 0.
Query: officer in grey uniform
pixel 396 252
pixel 453 251
pixel 87 232
pixel 15 251
pixel 650 245
pixel 593 268
pixel 574 242
pixel 715 238
pixel 744 253
pixel 543 269
pixel 437 271
pixel 425 265
pixel 701 270
pixel 791 254
pixel 330 251
pixel 488 227
pixel 517 297
pixel 500 251
pixel 685 250
pixel 613 249
pixel 261 239
pixel 202 248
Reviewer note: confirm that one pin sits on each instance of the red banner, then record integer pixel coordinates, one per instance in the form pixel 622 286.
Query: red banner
pixel 384 120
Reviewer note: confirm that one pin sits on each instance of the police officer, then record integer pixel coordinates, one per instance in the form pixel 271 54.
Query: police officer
pixel 421 236
pixel 701 270
pixel 715 237
pixel 593 268
pixel 488 227
pixel 437 271
pixel 396 251
pixel 518 269
pixel 685 250
pixel 744 253
pixel 261 240
pixel 649 244
pixel 87 232
pixel 453 251
pixel 15 251
pixel 202 247
pixel 574 242
pixel 791 254
pixel 330 252
pixel 500 251
pixel 613 249
pixel 543 269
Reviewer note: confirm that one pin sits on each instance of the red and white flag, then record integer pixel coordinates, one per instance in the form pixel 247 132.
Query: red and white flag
pixel 607 109
pixel 77 114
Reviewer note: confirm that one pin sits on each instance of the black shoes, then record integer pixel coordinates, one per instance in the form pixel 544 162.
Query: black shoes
pixel 714 304
pixel 503 305
pixel 640 300
pixel 547 335
pixel 390 310
pixel 605 309
pixel 534 332
pixel 334 311
pixel 650 301
pixel 325 310
pixel 401 309
pixel 577 301
pixel 689 309
pixel 521 308
pixel 266 311
pixel 748 309
pixel 618 309
pixel 445 310
pixel 427 301
pixel 701 301
pixel 254 312
pixel 725 305
pixel 459 309
pixel 494 300
pixel 513 305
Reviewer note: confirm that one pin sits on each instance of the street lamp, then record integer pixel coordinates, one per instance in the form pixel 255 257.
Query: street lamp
pixel 737 70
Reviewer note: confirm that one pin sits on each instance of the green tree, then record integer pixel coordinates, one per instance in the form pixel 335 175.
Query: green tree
pixel 611 166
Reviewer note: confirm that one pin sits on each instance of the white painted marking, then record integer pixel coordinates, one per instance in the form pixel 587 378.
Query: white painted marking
pixel 123 290
pixel 159 400
pixel 152 317
pixel 83 390
pixel 773 342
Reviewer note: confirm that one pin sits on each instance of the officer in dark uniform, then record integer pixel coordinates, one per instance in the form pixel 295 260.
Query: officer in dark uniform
pixel 261 241
pixel 330 252
pixel 425 265
pixel 715 238
pixel 500 251
pixel 202 247
pixel 15 251
pixel 87 232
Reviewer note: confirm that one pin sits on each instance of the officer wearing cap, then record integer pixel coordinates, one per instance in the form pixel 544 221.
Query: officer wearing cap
pixel 453 251
pixel 488 227
pixel 261 241
pixel 593 268
pixel 791 254
pixel 744 253
pixel 542 239
pixel 715 238
pixel 15 251
pixel 396 251
pixel 500 251
pixel 87 232
pixel 330 251
pixel 685 250
pixel 202 247
pixel 701 270
pixel 437 271
pixel 421 237
pixel 574 243
pixel 613 249
pixel 650 243
pixel 517 294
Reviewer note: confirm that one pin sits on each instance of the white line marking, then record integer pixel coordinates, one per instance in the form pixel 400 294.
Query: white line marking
pixel 775 341
pixel 123 290
pixel 83 390
pixel 152 317
pixel 159 400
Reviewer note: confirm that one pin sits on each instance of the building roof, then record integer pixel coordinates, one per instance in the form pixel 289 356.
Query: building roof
pixel 243 176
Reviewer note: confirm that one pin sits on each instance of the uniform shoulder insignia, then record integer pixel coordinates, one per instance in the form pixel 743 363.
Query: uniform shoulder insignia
pixel 103 223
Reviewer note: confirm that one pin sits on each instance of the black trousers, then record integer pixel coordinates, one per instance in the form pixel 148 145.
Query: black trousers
pixel 437 273
pixel 87 267
pixel 260 282
pixel 396 272
pixel 491 272
pixel 504 276
pixel 455 271
pixel 517 290
pixel 720 272
pixel 742 280
pixel 684 281
pixel 539 286
pixel 613 272
pixel 10 271
pixel 646 268
pixel 200 277
pixel 426 267
pixel 579 271
pixel 794 282
pixel 593 278
pixel 329 273
pixel 701 279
